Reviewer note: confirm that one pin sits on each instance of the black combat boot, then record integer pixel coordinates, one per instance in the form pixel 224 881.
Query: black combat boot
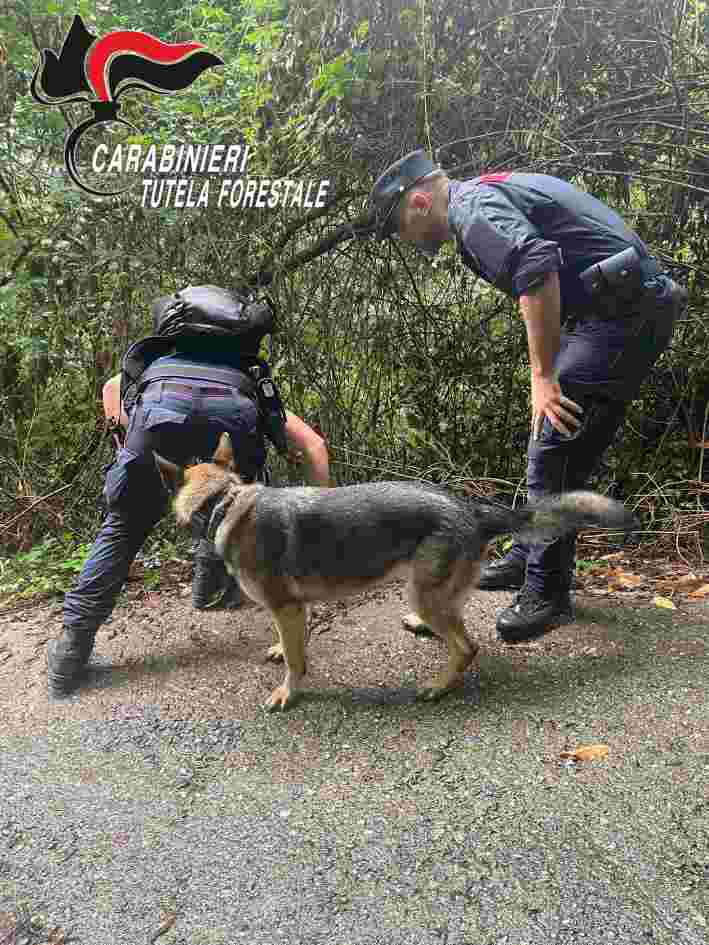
pixel 503 575
pixel 533 614
pixel 212 586
pixel 207 581
pixel 67 660
pixel 232 594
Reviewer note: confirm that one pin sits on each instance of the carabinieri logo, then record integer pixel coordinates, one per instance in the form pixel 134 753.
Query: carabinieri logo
pixel 99 71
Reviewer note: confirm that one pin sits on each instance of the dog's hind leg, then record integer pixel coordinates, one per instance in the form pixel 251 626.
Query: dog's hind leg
pixel 440 607
pixel 291 622
pixel 462 653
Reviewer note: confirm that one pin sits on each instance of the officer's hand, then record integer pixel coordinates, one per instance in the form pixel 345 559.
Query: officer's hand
pixel 548 401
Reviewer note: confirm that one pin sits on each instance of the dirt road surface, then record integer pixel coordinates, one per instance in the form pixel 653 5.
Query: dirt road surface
pixel 162 804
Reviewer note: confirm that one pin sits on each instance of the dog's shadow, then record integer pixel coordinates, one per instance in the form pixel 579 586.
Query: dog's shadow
pixel 369 697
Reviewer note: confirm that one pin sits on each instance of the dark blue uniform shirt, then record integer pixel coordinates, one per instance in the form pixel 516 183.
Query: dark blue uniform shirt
pixel 513 229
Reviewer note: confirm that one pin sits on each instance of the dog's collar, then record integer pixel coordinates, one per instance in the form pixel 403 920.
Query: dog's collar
pixel 216 507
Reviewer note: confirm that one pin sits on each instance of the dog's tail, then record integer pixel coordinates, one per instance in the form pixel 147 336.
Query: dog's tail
pixel 559 515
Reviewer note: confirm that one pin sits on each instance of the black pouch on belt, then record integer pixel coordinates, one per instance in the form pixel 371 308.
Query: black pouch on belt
pixel 621 275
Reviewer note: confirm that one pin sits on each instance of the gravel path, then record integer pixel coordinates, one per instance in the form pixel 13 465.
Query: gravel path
pixel 163 805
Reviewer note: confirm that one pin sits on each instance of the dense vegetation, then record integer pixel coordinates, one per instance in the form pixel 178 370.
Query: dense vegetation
pixel 410 370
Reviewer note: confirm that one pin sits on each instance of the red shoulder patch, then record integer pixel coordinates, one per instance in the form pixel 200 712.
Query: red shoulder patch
pixel 497 178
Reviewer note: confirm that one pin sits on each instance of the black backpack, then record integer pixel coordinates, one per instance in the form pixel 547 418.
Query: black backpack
pixel 209 311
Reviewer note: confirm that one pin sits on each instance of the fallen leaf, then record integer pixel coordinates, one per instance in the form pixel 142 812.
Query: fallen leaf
pixel 687 579
pixel 624 578
pixel 702 591
pixel 686 584
pixel 664 602
pixel 696 444
pixel 56 936
pixel 166 924
pixel 586 753
pixel 613 556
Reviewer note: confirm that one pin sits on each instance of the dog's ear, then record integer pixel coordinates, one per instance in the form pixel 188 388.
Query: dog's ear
pixel 224 454
pixel 173 476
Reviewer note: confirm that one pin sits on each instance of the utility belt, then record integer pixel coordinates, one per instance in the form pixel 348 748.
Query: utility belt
pixel 618 286
pixel 254 382
pixel 200 376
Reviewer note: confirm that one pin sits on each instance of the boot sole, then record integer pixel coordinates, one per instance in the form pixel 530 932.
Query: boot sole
pixel 508 586
pixel 219 603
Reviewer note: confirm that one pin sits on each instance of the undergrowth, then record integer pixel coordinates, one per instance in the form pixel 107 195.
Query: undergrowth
pixel 50 567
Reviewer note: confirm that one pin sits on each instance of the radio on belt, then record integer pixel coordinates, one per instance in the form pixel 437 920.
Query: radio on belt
pixel 272 409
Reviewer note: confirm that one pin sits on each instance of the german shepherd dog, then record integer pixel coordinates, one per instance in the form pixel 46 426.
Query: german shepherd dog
pixel 292 546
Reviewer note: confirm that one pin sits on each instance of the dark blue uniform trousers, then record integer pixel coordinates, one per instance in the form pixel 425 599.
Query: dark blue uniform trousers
pixel 179 427
pixel 601 365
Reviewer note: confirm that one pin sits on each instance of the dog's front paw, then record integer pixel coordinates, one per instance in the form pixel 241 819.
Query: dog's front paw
pixel 282 696
pixel 274 654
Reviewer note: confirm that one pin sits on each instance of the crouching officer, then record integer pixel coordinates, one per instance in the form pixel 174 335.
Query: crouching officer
pixel 197 376
pixel 569 260
pixel 212 585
